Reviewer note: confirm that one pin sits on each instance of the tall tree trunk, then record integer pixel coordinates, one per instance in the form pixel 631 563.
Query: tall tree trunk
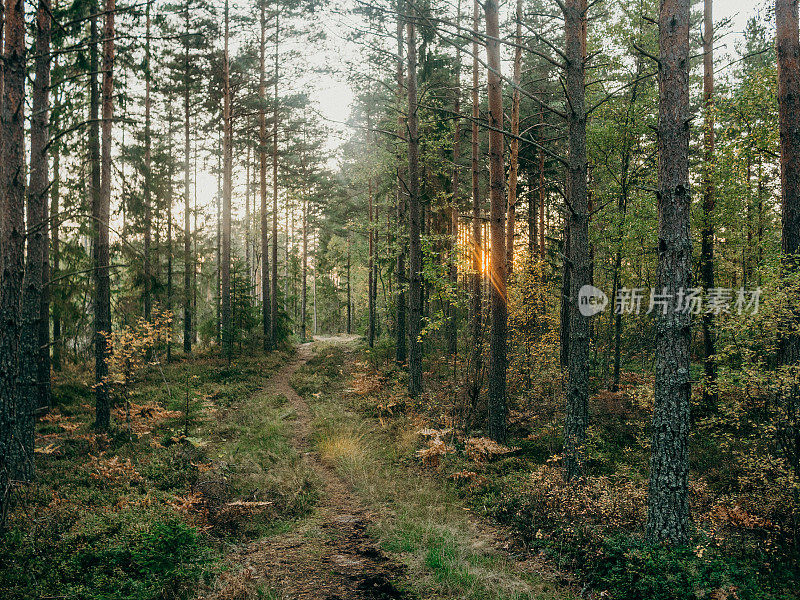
pixel 513 167
pixel 371 283
pixel 227 148
pixel 33 282
pixel 55 207
pixel 566 275
pixel 577 413
pixel 542 193
pixel 218 293
pixel 45 362
pixel 247 187
pixel 93 138
pixel 401 354
pixel 707 234
pixel 169 237
pixel 262 157
pixel 414 246
pixel 304 267
pixel 274 292
pixel 188 260
pixel 193 261
pixel 668 499
pixel 452 321
pixel 148 218
pixel 497 270
pixel 102 254
pixel 477 244
pixel 788 50
pixel 349 299
pixel 12 450
pixel 304 258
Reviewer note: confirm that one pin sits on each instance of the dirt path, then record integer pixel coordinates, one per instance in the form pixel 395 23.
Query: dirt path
pixel 334 559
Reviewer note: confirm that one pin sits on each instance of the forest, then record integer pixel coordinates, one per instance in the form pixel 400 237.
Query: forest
pixel 399 299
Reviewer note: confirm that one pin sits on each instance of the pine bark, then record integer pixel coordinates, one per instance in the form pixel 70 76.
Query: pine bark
pixel 169 238
pixel 349 298
pixel 513 166
pixel 102 254
pixel 497 265
pixel 668 498
pixel 273 320
pixel 262 175
pixel 476 358
pixel 227 158
pixel 452 321
pixel 55 253
pixel 304 258
pixel 401 353
pixel 371 283
pixel 148 209
pixel 577 413
pixel 34 278
pixel 414 245
pixel 788 51
pixel 41 110
pixel 12 188
pixel 188 259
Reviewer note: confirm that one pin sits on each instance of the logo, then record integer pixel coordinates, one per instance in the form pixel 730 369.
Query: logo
pixel 591 301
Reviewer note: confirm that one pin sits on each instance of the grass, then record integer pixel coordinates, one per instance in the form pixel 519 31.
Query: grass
pixel 143 512
pixel 419 517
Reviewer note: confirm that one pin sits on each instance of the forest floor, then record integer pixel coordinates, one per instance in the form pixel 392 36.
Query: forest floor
pixel 274 476
pixel 380 529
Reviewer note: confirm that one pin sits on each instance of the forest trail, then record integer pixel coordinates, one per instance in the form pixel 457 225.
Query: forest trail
pixel 334 558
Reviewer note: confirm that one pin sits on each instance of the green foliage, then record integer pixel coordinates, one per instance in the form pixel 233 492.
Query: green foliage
pixel 630 569
pixel 106 555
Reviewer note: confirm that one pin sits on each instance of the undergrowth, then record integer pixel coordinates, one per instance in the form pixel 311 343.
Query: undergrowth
pixel 197 457
pixel 592 529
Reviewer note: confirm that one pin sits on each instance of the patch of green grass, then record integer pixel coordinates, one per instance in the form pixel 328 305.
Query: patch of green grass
pixel 253 441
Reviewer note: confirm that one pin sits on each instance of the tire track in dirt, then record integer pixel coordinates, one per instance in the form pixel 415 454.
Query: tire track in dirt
pixel 344 563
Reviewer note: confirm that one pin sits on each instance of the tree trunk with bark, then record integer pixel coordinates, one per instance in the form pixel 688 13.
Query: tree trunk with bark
pixel 34 281
pixel 148 210
pixel 401 354
pixel 262 183
pixel 55 251
pixel 415 247
pixel 169 238
pixel 273 320
pixel 788 51
pixel 513 166
pixel 12 188
pixel 497 265
pixel 103 214
pixel 371 283
pixel 578 262
pixel 452 321
pixel 476 358
pixel 227 167
pixel 668 498
pixel 188 259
